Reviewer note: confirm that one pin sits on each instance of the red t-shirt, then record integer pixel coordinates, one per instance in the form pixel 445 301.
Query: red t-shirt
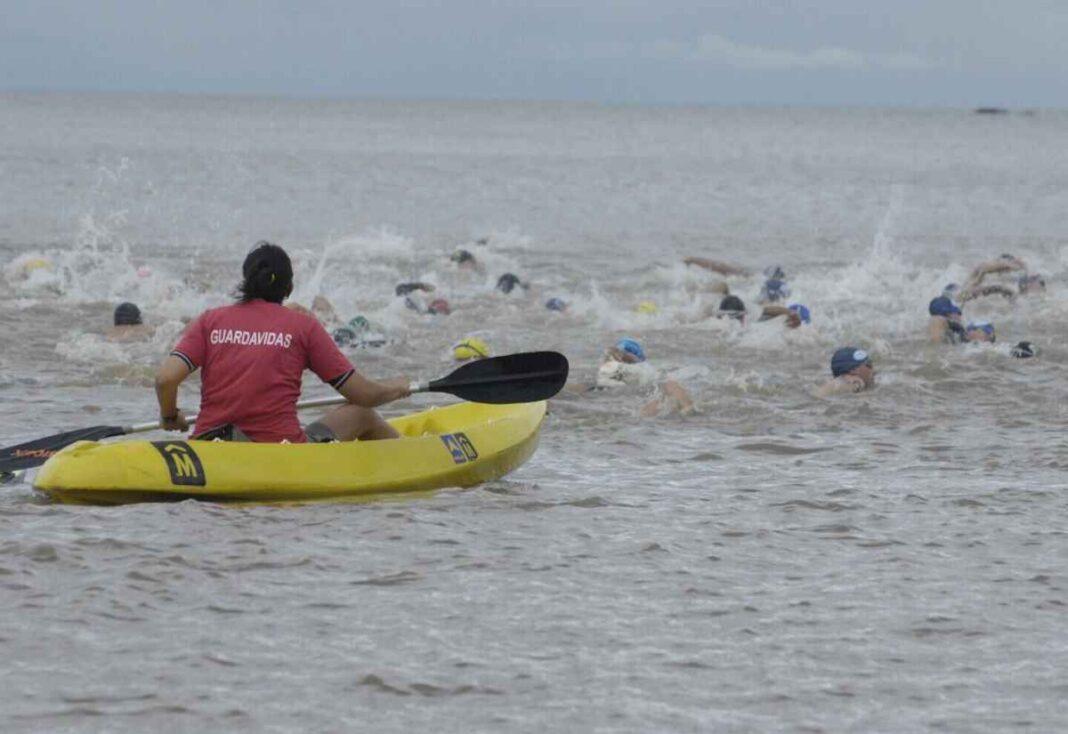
pixel 252 356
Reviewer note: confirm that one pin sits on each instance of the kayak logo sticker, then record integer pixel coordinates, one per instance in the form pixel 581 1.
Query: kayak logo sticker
pixel 460 446
pixel 182 462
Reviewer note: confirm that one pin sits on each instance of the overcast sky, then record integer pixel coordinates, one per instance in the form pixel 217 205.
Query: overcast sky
pixel 959 53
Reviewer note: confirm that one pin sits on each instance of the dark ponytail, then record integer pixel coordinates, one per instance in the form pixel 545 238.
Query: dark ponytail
pixel 268 274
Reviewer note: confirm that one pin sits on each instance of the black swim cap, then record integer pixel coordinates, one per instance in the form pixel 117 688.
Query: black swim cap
pixel 268 274
pixel 732 303
pixel 507 282
pixel 127 314
pixel 462 256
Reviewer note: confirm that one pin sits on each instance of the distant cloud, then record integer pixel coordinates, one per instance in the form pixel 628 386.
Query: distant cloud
pixel 720 50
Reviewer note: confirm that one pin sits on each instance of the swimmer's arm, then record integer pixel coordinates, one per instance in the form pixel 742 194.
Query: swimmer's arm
pixel 990 290
pixel 771 312
pixel 715 266
pixel 982 270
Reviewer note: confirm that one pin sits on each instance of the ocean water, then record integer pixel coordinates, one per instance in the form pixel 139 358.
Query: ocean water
pixel 777 562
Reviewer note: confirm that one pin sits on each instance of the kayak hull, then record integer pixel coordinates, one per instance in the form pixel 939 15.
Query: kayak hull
pixel 457 446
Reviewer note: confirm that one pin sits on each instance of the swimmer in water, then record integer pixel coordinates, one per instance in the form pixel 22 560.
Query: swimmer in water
pixel 1024 350
pixel 557 304
pixel 851 372
pixel 507 283
pixel 945 325
pixel 774 290
pixel 731 307
pixel 624 365
pixel 470 349
pixel 127 324
pixel 979 331
pixel 1025 283
pixel 412 293
pixel 321 309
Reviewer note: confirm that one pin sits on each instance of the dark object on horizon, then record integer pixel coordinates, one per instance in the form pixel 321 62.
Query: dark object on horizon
pixel 991 111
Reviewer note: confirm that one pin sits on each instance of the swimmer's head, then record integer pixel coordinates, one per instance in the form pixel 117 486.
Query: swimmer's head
pixel 1031 283
pixel 439 306
pixel 1024 350
pixel 732 307
pixel 943 306
pixel 647 307
pixel 980 331
pixel 631 347
pixel 773 291
pixel 461 257
pixel 950 291
pixel 774 272
pixel 127 314
pixel 470 348
pixel 359 323
pixel 851 360
pixel 507 282
pixel 556 304
pixel 802 311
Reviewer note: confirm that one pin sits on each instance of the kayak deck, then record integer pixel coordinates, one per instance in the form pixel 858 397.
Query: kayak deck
pixel 456 446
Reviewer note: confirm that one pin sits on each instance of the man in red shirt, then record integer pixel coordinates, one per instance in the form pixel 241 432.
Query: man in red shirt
pixel 252 355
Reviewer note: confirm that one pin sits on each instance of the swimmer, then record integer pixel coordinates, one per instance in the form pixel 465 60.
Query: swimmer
pixel 1026 283
pixel 439 307
pixel 774 290
pixel 731 307
pixel 127 324
pixel 464 259
pixel 359 333
pixel 557 304
pixel 403 289
pixel 1024 350
pixel 624 365
pixel 321 309
pixel 979 331
pixel 648 308
pixel 851 372
pixel 470 349
pixel 945 326
pixel 507 283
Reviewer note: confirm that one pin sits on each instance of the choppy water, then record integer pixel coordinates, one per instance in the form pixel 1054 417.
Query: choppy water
pixel 892 561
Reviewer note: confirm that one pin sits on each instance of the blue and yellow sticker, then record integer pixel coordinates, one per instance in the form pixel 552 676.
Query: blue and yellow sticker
pixel 460 446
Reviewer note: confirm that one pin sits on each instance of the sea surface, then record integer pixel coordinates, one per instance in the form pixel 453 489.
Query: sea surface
pixel 893 561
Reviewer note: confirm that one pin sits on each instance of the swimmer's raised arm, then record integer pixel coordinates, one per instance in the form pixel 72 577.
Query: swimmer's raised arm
pixel 716 266
pixel 970 294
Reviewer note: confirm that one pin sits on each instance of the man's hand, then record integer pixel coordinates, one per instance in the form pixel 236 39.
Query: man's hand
pixel 176 422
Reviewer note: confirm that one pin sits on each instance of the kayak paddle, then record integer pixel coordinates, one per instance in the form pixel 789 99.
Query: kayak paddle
pixel 512 378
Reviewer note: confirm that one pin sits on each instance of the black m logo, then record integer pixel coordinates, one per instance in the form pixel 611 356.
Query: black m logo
pixel 182 463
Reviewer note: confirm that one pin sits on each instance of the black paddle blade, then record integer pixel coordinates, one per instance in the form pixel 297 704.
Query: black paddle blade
pixel 35 453
pixel 510 378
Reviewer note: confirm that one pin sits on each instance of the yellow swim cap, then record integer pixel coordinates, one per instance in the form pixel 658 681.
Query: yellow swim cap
pixel 470 348
pixel 647 307
pixel 36 263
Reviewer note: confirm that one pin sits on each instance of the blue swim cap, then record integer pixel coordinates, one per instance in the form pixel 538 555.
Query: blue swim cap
pixel 943 306
pixel 802 311
pixel 774 290
pixel 847 359
pixel 632 347
pixel 984 326
pixel 556 304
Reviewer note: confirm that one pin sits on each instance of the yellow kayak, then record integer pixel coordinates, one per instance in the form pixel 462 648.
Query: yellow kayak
pixel 456 446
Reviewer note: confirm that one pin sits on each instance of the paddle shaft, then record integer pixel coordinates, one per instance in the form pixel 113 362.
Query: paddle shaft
pixel 313 403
